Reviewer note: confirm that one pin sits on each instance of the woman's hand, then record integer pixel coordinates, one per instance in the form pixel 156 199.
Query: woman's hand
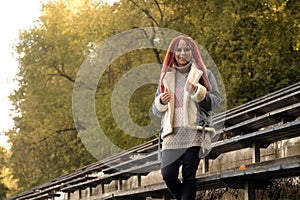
pixel 165 97
pixel 191 88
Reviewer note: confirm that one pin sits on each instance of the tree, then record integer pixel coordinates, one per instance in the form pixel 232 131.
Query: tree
pixel 45 133
pixel 254 44
pixel 3 163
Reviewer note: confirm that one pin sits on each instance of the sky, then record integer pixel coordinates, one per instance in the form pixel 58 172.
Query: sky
pixel 15 15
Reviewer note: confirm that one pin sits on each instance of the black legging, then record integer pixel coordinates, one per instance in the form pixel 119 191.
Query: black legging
pixel 171 161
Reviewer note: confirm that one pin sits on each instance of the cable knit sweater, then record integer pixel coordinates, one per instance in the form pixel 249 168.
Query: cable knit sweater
pixel 182 137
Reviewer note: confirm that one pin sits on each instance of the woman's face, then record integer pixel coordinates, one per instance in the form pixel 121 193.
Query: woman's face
pixel 183 53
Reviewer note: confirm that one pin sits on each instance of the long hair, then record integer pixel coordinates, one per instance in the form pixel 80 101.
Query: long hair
pixel 170 60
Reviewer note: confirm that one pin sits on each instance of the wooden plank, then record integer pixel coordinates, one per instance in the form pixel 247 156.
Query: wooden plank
pixel 140 159
pixel 97 166
pixel 267 119
pixel 264 137
pixel 120 175
pixel 72 178
pixel 45 196
pixel 157 190
pixel 232 118
pixel 266 102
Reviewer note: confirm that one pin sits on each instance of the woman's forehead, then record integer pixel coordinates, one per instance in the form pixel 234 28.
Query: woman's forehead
pixel 182 43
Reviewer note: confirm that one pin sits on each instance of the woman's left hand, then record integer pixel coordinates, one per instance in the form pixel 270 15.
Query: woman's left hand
pixel 190 87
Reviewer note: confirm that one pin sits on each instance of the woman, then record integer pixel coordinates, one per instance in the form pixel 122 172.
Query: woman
pixel 186 96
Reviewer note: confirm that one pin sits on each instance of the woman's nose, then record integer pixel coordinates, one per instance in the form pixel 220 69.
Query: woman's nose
pixel 182 52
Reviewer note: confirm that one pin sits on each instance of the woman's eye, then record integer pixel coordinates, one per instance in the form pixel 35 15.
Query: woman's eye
pixel 184 49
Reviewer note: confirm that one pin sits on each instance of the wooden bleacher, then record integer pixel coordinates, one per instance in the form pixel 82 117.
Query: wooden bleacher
pixel 233 178
pixel 255 125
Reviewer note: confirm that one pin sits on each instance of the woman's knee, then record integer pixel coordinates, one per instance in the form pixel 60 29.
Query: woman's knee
pixel 169 175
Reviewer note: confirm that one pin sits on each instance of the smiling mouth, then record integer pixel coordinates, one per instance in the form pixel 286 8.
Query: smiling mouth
pixel 182 58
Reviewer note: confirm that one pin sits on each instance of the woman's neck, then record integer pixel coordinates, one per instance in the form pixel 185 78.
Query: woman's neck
pixel 183 69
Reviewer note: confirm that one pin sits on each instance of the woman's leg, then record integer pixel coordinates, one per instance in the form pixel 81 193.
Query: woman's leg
pixel 171 161
pixel 190 162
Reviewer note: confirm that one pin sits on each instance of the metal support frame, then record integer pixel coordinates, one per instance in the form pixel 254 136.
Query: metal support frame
pixel 249 191
pixel 139 180
pixel 79 194
pixel 255 152
pixel 120 184
pixel 90 191
pixel 102 189
pixel 205 166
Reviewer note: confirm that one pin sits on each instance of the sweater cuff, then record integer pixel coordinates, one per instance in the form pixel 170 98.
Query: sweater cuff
pixel 160 107
pixel 200 93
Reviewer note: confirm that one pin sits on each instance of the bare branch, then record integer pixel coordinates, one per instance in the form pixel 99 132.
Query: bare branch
pixel 146 12
pixel 65 130
pixel 160 11
pixel 151 39
pixel 62 73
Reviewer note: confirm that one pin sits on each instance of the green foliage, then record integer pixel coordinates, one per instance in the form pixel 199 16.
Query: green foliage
pixel 254 44
pixel 3 190
pixel 3 163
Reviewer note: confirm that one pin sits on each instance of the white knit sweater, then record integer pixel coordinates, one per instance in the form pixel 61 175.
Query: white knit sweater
pixel 181 137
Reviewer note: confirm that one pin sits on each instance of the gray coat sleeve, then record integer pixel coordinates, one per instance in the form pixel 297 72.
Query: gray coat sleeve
pixel 155 111
pixel 212 99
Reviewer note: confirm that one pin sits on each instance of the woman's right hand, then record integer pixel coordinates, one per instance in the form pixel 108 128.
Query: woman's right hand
pixel 165 97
